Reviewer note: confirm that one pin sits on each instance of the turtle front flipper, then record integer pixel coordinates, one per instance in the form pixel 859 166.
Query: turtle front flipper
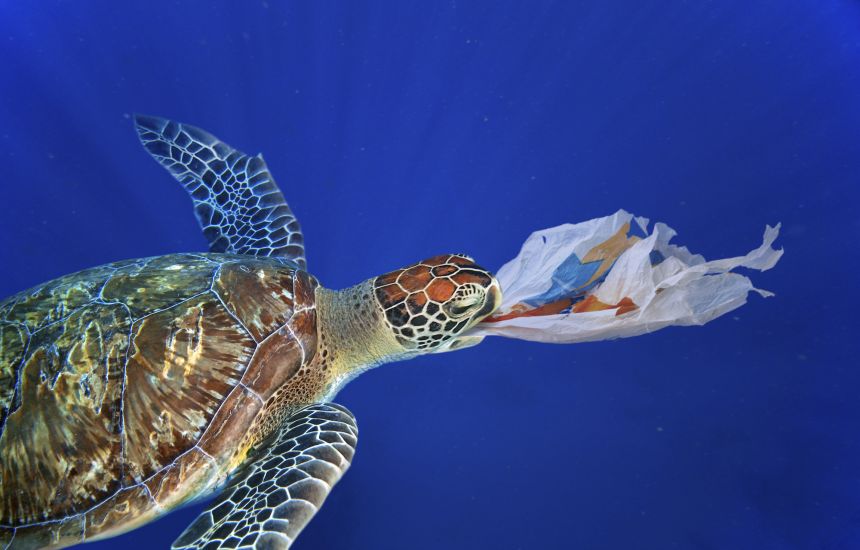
pixel 239 206
pixel 279 488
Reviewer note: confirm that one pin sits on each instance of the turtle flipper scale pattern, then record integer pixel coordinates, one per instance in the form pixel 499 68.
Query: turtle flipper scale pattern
pixel 240 208
pixel 279 488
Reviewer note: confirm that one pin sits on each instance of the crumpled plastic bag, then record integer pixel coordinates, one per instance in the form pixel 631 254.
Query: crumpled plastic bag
pixel 609 278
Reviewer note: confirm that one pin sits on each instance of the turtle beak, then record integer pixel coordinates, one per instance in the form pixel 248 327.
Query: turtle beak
pixel 494 300
pixel 463 342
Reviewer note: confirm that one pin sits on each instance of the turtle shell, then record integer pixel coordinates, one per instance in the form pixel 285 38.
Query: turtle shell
pixel 127 388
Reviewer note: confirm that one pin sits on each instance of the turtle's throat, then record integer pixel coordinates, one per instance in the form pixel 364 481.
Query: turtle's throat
pixel 352 335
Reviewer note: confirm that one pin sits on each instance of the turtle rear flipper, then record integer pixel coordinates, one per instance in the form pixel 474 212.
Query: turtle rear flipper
pixel 236 200
pixel 281 485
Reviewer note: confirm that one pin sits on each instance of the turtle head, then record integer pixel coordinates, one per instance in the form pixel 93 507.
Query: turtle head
pixel 430 305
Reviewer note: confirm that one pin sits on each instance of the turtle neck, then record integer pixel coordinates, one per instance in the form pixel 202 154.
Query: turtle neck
pixel 352 334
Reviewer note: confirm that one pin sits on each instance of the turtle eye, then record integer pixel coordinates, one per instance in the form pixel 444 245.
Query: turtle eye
pixel 461 307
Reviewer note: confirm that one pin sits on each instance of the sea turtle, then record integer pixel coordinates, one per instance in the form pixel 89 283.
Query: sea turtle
pixel 129 389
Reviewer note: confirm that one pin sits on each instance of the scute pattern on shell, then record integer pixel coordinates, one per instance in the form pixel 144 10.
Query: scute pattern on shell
pixel 123 384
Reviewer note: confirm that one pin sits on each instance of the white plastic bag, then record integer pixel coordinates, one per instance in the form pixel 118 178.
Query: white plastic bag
pixel 608 278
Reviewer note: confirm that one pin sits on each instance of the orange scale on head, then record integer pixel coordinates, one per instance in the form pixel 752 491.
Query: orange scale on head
pixel 460 260
pixel 436 260
pixel 390 295
pixel 388 278
pixel 419 298
pixel 416 278
pixel 465 277
pixel 417 271
pixel 443 270
pixel 441 290
pixel 416 302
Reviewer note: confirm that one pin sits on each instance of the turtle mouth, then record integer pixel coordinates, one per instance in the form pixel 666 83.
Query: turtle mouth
pixel 491 304
pixel 466 340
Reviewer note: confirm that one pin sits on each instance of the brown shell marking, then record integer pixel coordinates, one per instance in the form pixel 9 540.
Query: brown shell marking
pixel 185 361
pixel 282 316
pixel 126 389
pixel 60 449
pixel 287 342
pixel 13 343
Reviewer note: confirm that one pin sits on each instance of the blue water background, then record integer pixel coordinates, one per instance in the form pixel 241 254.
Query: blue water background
pixel 404 129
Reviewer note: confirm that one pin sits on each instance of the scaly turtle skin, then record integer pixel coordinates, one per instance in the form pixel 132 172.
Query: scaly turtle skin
pixel 131 388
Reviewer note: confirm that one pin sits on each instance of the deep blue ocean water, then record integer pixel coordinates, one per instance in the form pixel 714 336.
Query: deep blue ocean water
pixel 399 130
